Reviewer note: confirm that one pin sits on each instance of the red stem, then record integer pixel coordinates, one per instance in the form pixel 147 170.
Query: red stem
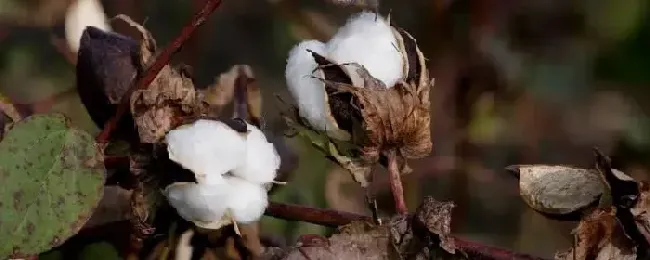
pixel 396 187
pixel 161 61
pixel 333 218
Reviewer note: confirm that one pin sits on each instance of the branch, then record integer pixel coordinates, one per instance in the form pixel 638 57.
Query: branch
pixel 161 61
pixel 333 218
pixel 396 187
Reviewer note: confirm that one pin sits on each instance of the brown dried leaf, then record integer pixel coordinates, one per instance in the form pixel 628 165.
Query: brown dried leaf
pixel 436 217
pixel 600 236
pixel 357 240
pixel 249 233
pixel 641 211
pixel 558 191
pixel 160 107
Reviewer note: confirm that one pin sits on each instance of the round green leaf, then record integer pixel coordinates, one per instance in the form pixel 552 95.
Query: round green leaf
pixel 53 178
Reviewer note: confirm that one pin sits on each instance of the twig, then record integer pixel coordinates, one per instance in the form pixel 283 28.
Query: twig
pixel 241 94
pixel 324 217
pixel 396 183
pixel 161 61
pixel 333 218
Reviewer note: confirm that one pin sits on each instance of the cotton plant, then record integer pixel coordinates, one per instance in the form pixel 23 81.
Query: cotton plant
pixel 233 170
pixel 366 39
pixel 363 95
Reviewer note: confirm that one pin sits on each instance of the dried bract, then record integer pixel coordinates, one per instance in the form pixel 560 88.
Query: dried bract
pixel 600 236
pixel 558 190
pixel 106 64
pixel 160 107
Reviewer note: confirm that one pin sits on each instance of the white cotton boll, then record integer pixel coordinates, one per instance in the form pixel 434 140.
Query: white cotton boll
pixel 80 14
pixel 198 202
pixel 208 148
pixel 247 201
pixel 367 39
pixel 308 91
pixel 262 161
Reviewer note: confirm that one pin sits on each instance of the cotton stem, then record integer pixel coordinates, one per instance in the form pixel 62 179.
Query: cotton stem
pixel 396 187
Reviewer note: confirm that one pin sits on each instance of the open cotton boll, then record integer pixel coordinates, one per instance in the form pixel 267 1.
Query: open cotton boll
pixel 368 40
pixel 208 148
pixel 246 201
pixel 308 91
pixel 81 14
pixel 261 162
pixel 198 202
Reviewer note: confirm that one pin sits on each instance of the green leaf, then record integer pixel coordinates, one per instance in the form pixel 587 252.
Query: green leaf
pixel 53 179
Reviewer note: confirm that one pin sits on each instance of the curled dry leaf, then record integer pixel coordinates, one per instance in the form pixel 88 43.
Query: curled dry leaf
pixel 357 240
pixel 436 217
pixel 641 211
pixel 106 64
pixel 558 191
pixel 160 107
pixel 600 236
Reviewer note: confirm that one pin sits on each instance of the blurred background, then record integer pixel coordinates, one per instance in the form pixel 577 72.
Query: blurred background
pixel 516 82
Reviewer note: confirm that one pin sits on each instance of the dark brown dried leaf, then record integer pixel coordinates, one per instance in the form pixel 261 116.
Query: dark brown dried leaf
pixel 357 240
pixel 600 236
pixel 106 64
pixel 641 211
pixel 436 217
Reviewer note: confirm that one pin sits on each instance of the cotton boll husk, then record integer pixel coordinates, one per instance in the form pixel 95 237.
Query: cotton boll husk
pixel 247 201
pixel 198 202
pixel 368 40
pixel 308 91
pixel 80 14
pixel 208 148
pixel 262 161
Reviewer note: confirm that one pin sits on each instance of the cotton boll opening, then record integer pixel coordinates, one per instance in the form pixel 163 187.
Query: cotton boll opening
pixel 308 91
pixel 247 201
pixel 368 39
pixel 261 162
pixel 208 148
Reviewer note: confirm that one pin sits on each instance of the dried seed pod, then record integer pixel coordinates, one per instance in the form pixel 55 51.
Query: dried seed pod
pixel 559 192
pixel 107 63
